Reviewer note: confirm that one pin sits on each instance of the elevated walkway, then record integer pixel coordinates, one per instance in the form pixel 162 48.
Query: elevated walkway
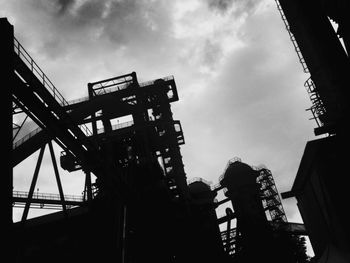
pixel 35 94
pixel 46 200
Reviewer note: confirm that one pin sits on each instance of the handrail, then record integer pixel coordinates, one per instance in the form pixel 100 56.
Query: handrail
pixel 26 137
pixel 292 38
pixel 199 179
pixel 117 126
pixel 151 82
pixel 126 85
pixel 118 87
pixel 29 61
pixel 317 109
pixel 47 196
pixel 75 101
pixel 99 131
pixel 37 71
pixel 45 81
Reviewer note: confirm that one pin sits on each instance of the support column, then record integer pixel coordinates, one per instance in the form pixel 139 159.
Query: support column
pixel 33 183
pixel 58 179
pixel 6 185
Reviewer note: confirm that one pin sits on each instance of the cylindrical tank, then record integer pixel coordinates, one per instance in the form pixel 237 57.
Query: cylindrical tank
pixel 201 192
pixel 205 229
pixel 244 193
pixel 243 190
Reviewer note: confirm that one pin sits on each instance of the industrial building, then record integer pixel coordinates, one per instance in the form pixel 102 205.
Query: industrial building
pixel 141 208
pixel 261 231
pixel 320 33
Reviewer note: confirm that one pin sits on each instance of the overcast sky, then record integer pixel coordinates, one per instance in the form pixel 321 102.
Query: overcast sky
pixel 238 77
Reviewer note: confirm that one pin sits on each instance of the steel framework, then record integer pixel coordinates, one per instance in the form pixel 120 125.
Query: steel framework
pixel 322 55
pixel 128 159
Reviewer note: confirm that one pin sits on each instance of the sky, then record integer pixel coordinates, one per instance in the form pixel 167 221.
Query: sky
pixel 240 84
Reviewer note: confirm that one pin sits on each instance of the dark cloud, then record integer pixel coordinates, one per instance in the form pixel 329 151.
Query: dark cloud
pixel 89 13
pixel 63 26
pixel 64 5
pixel 220 5
pixel 234 7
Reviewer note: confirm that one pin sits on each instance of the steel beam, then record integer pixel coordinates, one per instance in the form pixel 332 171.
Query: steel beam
pixel 32 185
pixel 57 175
pixel 21 201
pixel 226 218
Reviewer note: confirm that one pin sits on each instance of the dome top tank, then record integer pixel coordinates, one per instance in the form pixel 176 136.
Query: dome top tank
pixel 238 175
pixel 200 189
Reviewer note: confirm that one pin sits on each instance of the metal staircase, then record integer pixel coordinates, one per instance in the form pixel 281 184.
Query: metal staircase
pixel 269 195
pixel 317 109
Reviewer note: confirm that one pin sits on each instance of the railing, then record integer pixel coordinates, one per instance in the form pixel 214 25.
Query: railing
pixel 26 137
pixel 125 85
pixel 48 196
pixel 198 179
pixel 36 70
pixel 45 81
pixel 292 38
pixel 86 98
pixel 117 126
pixel 118 87
pixel 99 131
pixel 151 82
pixel 28 60
pixel 109 89
pixel 231 161
pixel 317 109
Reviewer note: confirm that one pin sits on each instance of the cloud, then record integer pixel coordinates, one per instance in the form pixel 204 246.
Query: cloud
pixel 64 5
pixel 82 41
pixel 220 5
pixel 235 8
pixel 249 109
pixel 239 81
pixel 212 53
pixel 62 27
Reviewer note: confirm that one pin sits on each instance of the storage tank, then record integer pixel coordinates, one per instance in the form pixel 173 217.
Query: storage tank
pixel 244 193
pixel 200 192
pixel 207 242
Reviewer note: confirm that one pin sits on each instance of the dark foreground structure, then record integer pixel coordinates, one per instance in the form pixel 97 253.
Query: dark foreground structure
pixel 321 184
pixel 262 232
pixel 137 205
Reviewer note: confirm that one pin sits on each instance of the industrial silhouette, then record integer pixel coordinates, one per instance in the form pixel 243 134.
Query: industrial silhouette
pixel 321 183
pixel 141 208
